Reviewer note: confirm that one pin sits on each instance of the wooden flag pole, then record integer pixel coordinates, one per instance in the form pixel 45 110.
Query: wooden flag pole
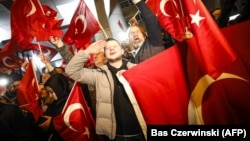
pixel 105 34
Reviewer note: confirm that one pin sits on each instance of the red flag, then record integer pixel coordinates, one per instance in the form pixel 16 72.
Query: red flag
pixel 224 100
pixel 48 52
pixel 26 18
pixel 29 20
pixel 11 61
pixel 120 24
pixel 211 49
pixel 169 16
pixel 28 92
pixel 51 26
pixel 161 93
pixel 12 46
pixel 76 121
pixel 82 27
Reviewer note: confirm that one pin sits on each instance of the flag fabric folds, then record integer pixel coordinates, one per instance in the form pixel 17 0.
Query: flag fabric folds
pixel 48 52
pixel 210 47
pixel 82 27
pixel 11 61
pixel 224 100
pixel 28 92
pixel 169 16
pixel 160 89
pixel 29 20
pixel 51 26
pixel 26 18
pixel 76 121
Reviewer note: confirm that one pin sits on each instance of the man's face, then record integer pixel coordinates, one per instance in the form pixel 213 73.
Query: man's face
pixel 14 86
pixel 136 36
pixel 45 77
pixel 45 97
pixel 113 51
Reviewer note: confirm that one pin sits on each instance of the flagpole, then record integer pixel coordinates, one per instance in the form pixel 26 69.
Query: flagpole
pixel 40 49
pixel 183 15
pixel 41 7
pixel 187 34
pixel 102 29
pixel 136 14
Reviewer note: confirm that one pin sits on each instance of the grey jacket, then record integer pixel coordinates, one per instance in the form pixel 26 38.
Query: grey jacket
pixel 102 79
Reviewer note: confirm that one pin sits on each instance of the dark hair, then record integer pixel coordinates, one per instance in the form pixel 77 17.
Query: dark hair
pixel 112 39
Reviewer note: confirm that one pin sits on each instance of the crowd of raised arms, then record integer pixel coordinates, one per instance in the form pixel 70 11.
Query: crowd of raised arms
pixel 109 104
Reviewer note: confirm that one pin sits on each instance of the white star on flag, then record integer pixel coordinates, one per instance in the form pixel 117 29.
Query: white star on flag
pixel 196 18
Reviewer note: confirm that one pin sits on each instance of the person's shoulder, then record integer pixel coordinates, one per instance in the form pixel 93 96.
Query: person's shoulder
pixel 8 106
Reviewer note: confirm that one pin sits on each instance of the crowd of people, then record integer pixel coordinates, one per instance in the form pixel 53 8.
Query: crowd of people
pixel 101 87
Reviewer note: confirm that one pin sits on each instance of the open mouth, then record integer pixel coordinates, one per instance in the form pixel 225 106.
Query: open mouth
pixel 136 39
pixel 111 53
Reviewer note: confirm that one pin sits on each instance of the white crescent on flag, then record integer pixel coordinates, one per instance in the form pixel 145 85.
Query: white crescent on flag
pixel 162 5
pixel 47 53
pixel 67 114
pixel 33 9
pixel 5 61
pixel 195 103
pixel 84 22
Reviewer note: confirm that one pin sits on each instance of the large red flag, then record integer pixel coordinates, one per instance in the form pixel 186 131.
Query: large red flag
pixel 51 26
pixel 224 100
pixel 170 16
pixel 76 121
pixel 210 47
pixel 82 27
pixel 26 18
pixel 160 89
pixel 28 92
pixel 29 20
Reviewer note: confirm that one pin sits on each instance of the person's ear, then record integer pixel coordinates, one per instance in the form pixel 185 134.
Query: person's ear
pixel 122 51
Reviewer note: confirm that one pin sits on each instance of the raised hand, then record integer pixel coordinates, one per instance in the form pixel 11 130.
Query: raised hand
pixel 96 47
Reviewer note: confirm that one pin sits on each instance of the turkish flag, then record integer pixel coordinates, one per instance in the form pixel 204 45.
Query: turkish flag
pixel 11 61
pixel 48 52
pixel 225 99
pixel 28 92
pixel 12 46
pixel 82 28
pixel 209 46
pixel 76 121
pixel 160 89
pixel 169 16
pixel 51 26
pixel 27 18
